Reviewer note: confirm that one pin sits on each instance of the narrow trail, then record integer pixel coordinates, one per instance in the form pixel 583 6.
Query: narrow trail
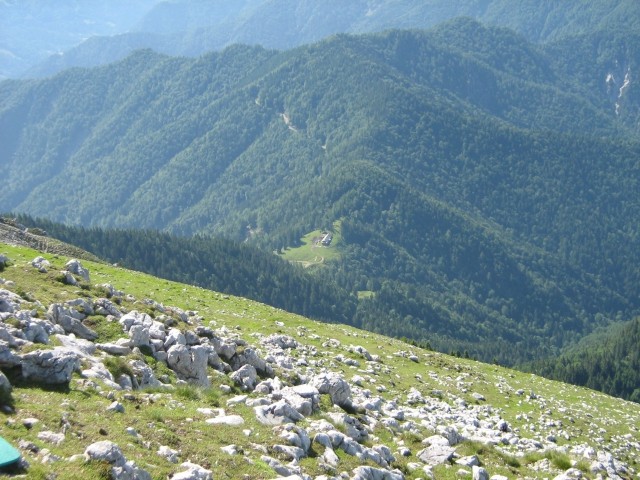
pixel 318 260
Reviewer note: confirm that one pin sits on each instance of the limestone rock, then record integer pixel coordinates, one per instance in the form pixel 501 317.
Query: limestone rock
pixel 189 363
pixel 9 301
pixel 174 337
pixel 224 348
pixel 135 318
pixel 230 449
pixel 292 453
pixel 50 366
pixel 468 461
pixel 51 437
pixel 245 377
pixel 5 385
pixel 336 386
pixel 295 436
pixel 115 407
pixel 283 342
pixel 37 331
pixel 360 351
pixel 76 268
pixel 82 347
pixel 372 473
pixel 105 451
pixel 350 425
pixel 70 320
pixel 114 348
pixel 451 434
pixel 436 454
pixel 68 278
pixel 139 335
pixel 277 413
pixel 109 452
pixel 571 474
pixel 479 473
pixel 105 307
pixel 277 466
pixel 143 375
pixel 193 472
pixel 249 356
pixel 168 454
pixel 7 357
pixel 232 420
pixel 304 406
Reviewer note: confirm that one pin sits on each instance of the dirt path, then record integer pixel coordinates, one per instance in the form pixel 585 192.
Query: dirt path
pixel 316 261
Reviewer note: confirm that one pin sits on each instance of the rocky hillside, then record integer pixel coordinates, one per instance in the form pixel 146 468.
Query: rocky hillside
pixel 109 373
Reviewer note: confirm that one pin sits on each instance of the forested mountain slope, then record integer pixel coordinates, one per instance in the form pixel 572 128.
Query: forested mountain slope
pixel 484 190
pixel 608 361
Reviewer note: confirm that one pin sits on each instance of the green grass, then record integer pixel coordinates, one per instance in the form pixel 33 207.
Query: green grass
pixel 171 417
pixel 310 254
pixel 107 331
pixel 118 366
pixel 365 294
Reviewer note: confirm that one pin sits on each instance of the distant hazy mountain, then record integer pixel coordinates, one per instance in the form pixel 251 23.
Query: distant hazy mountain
pixel 486 187
pixel 186 27
pixel 32 30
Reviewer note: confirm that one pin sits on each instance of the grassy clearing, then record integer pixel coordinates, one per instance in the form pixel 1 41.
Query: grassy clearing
pixel 311 254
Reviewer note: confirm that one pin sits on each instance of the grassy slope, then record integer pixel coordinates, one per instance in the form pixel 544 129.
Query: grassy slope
pixel 172 419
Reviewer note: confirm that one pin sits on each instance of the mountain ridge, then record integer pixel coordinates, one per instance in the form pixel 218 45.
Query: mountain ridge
pixel 191 28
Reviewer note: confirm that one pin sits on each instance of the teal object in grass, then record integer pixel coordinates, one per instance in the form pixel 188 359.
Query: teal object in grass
pixel 8 453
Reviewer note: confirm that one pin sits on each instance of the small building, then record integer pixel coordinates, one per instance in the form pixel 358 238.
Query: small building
pixel 326 239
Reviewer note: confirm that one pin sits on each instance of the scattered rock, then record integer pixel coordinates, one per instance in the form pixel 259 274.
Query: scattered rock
pixel 105 451
pixel 168 454
pixel 51 437
pixel 245 377
pixel 70 320
pixel 233 420
pixel 468 461
pixel 371 473
pixel 336 386
pixel 436 454
pixel 41 264
pixel 283 342
pixel 277 413
pixel 193 472
pixel 50 366
pixel 116 407
pixel 479 473
pixel 75 267
pixel 5 385
pixel 189 363
pixel 9 301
